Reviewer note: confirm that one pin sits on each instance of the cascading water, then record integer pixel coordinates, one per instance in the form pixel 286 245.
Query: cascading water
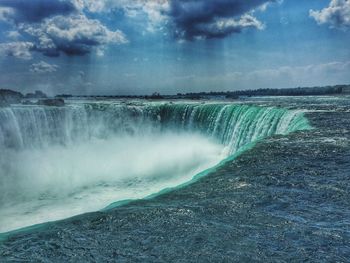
pixel 232 125
pixel 57 162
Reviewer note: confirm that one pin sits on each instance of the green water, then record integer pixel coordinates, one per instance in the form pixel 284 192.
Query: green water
pixel 82 130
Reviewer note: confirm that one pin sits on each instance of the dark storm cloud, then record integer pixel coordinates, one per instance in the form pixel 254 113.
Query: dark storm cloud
pixel 53 27
pixel 36 10
pixel 74 35
pixel 209 18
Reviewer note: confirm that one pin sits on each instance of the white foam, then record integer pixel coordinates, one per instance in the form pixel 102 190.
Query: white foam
pixel 40 185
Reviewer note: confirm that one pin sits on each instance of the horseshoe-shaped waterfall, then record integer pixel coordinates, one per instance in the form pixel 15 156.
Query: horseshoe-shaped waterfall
pixel 58 162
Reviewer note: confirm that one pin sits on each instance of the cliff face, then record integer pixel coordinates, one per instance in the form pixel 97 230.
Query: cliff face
pixel 8 97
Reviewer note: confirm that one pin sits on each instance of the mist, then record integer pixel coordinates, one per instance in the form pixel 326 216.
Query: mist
pixel 57 162
pixel 57 181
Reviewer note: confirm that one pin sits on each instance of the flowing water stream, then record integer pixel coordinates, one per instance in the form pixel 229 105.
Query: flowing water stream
pixel 57 162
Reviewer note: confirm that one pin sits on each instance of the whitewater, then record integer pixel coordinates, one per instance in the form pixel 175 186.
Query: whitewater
pixel 57 162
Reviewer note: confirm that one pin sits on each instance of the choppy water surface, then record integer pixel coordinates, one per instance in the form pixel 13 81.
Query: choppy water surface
pixel 286 199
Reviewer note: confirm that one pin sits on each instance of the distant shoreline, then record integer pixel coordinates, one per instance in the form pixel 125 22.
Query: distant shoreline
pixel 8 96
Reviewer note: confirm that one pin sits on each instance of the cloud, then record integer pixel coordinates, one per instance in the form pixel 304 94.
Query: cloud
pixel 6 13
pixel 72 35
pixel 221 28
pixel 18 49
pixel 154 10
pixel 213 19
pixel 54 27
pixel 189 19
pixel 13 34
pixel 64 26
pixel 337 14
pixel 34 10
pixel 43 67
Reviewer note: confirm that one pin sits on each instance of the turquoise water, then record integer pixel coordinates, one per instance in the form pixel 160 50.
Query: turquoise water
pixel 85 156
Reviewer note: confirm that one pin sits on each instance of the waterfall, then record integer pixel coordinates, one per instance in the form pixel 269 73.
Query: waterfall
pixel 232 125
pixel 56 162
pixel 40 126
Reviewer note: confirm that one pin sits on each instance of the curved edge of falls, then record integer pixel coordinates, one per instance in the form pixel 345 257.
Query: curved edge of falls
pixel 237 127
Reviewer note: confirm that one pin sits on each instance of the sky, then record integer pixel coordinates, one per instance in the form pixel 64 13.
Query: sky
pixel 133 47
